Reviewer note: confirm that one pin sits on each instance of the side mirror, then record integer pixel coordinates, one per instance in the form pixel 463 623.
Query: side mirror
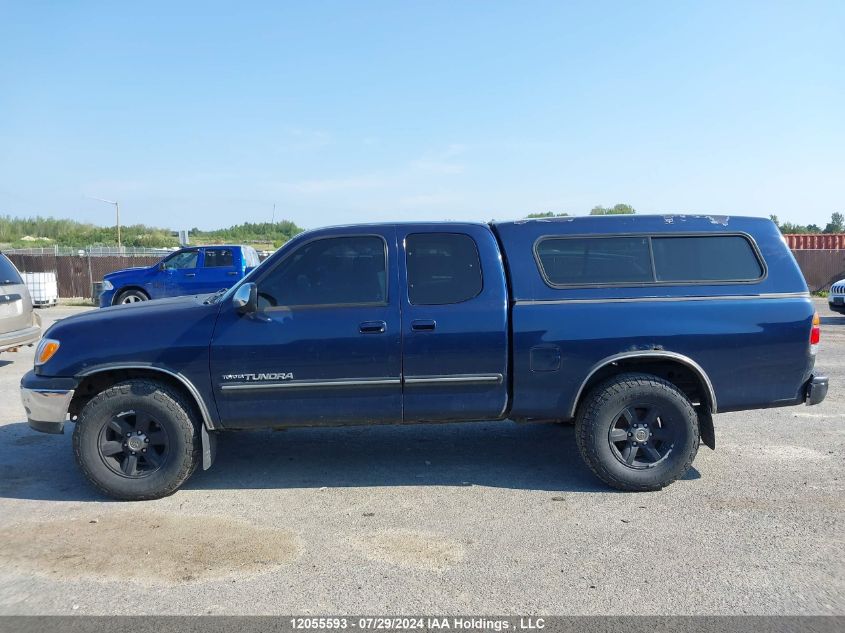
pixel 161 266
pixel 245 299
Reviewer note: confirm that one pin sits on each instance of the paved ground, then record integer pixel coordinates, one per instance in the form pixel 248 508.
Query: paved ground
pixel 490 517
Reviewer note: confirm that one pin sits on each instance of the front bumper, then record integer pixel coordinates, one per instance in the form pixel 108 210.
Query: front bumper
pixel 816 390
pixel 107 298
pixel 46 401
pixel 18 338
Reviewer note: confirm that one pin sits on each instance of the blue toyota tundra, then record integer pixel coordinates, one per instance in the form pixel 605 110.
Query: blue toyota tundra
pixel 638 328
pixel 188 271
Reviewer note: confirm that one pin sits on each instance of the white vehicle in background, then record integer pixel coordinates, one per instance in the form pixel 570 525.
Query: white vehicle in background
pixel 836 297
pixel 19 325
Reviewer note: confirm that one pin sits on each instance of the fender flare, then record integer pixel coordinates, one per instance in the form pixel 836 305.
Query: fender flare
pixel 209 443
pixel 710 393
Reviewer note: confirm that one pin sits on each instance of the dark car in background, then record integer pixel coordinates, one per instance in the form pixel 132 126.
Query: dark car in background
pixel 189 271
pixel 19 325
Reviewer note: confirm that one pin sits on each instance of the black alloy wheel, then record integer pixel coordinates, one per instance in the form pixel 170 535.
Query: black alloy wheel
pixel 133 444
pixel 640 437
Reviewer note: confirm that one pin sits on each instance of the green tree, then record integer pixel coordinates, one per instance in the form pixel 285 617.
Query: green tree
pixel 547 214
pixel 790 228
pixel 617 209
pixel 276 233
pixel 836 224
pixel 79 235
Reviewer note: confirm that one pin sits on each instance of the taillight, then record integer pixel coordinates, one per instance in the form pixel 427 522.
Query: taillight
pixel 815 333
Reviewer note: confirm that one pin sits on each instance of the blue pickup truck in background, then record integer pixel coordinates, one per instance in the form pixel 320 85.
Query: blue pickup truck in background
pixel 638 328
pixel 188 271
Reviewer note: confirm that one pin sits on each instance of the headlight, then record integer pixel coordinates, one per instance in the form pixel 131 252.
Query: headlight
pixel 107 285
pixel 45 350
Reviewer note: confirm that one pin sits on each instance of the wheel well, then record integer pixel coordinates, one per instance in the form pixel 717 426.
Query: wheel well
pixel 125 288
pixel 93 384
pixel 692 383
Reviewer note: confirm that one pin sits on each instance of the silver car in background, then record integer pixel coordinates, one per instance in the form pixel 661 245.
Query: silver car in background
pixel 836 297
pixel 19 325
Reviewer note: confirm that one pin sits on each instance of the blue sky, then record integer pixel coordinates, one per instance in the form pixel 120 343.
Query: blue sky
pixel 207 114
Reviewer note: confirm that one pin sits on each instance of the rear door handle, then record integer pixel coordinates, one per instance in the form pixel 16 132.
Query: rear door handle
pixel 190 274
pixel 372 327
pixel 233 273
pixel 423 325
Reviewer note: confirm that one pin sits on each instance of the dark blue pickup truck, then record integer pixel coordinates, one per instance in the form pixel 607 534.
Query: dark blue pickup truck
pixel 638 328
pixel 188 271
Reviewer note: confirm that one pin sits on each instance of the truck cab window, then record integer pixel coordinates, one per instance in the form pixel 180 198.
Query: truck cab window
pixel 331 271
pixel 219 258
pixel 181 261
pixel 443 268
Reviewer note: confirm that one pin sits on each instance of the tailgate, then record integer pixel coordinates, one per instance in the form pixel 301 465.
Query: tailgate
pixel 15 308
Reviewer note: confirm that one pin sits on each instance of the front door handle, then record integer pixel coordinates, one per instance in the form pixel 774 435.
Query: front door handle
pixel 233 273
pixel 423 325
pixel 190 274
pixel 372 327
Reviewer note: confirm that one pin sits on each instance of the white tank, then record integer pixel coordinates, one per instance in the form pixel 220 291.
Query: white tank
pixel 42 287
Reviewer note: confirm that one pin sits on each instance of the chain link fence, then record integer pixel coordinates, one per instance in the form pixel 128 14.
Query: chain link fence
pixel 93 251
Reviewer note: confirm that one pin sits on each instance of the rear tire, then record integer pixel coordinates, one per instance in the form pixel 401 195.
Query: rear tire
pixel 131 296
pixel 136 440
pixel 637 432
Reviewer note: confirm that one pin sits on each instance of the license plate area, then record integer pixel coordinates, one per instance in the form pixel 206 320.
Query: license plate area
pixel 10 308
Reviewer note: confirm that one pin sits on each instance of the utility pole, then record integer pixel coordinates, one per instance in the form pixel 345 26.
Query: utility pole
pixel 117 216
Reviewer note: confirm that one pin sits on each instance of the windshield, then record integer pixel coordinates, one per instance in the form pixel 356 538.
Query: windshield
pixel 8 272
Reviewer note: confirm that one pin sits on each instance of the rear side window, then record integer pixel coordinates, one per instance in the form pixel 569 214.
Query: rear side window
pixel 252 259
pixel 578 261
pixel 567 261
pixel 442 268
pixel 8 273
pixel 705 258
pixel 219 258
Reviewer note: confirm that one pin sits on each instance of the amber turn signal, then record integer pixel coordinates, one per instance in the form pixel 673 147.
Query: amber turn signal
pixel 46 349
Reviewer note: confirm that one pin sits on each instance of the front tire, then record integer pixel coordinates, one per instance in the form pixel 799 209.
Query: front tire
pixel 131 296
pixel 637 432
pixel 136 440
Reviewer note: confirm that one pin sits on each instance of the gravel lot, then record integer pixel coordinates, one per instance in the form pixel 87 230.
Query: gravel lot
pixel 482 518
